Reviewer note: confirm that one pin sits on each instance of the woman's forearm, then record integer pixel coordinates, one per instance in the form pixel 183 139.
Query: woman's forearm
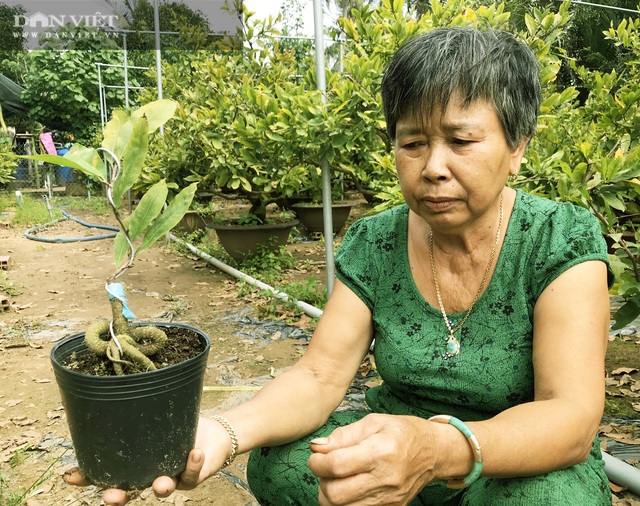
pixel 289 407
pixel 526 440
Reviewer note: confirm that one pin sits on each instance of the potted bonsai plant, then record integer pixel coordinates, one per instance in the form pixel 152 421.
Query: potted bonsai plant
pixel 131 406
pixel 310 211
pixel 242 130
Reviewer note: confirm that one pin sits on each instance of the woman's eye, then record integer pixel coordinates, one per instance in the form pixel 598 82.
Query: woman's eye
pixel 411 145
pixel 460 142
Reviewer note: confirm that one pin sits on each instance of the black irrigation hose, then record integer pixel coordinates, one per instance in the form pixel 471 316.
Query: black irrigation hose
pixel 30 234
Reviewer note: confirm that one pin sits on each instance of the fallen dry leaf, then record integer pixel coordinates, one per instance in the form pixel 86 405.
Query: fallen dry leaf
pixel 54 415
pixel 276 336
pixel 624 370
pixel 616 488
pixel 43 489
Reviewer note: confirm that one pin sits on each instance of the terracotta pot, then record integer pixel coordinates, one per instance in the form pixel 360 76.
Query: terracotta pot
pixel 311 215
pixel 240 241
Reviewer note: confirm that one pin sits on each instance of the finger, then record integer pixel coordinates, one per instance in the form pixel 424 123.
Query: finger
pixel 164 486
pixel 358 489
pixel 343 462
pixel 348 435
pixel 74 477
pixel 115 497
pixel 322 499
pixel 190 477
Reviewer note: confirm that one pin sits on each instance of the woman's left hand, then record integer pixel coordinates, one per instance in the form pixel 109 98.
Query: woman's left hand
pixel 381 459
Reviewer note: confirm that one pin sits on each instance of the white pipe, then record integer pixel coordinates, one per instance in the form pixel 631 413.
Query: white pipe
pixel 621 473
pixel 310 310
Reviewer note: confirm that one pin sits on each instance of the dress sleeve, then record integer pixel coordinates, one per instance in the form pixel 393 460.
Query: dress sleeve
pixel 572 235
pixel 354 263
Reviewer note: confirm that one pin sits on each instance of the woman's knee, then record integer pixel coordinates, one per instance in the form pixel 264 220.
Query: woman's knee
pixel 280 476
pixel 575 486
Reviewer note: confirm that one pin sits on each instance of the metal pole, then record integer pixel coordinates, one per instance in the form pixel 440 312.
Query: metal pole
pixel 156 27
pixel 126 70
pixel 102 111
pixel 324 163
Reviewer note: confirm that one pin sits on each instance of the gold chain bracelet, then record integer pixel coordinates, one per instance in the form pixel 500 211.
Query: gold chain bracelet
pixel 234 439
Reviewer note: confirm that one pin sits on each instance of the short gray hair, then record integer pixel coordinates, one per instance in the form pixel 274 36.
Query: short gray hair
pixel 478 64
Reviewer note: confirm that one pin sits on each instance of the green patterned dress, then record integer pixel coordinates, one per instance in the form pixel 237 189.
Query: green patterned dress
pixel 493 371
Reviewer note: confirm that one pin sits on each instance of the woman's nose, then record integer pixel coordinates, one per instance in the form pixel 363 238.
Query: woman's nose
pixel 436 166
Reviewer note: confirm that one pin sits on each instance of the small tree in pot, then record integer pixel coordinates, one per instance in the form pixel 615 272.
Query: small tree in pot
pixel 138 423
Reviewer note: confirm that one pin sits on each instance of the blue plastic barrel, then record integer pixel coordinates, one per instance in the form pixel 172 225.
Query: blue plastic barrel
pixel 64 174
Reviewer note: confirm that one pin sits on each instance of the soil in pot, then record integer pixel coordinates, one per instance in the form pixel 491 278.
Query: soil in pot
pixel 182 344
pixel 129 429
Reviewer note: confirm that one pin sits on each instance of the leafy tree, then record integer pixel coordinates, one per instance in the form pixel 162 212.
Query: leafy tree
pixel 292 37
pixel 63 89
pixel 587 151
pixel 583 39
pixel 191 26
pixel 13 55
pixel 344 7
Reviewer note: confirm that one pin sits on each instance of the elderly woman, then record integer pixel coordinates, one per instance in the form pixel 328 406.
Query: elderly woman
pixel 488 309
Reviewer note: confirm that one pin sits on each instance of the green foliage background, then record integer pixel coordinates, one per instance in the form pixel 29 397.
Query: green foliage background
pixel 251 122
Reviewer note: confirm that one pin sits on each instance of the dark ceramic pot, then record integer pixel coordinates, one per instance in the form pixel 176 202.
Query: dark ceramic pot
pixel 240 241
pixel 311 215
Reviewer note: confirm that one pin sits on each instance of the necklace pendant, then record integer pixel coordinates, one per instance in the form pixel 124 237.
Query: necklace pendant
pixel 453 347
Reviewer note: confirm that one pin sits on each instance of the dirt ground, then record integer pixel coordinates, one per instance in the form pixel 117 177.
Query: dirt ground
pixel 59 289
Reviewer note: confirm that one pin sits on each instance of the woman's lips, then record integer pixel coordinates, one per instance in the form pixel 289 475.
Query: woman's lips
pixel 438 204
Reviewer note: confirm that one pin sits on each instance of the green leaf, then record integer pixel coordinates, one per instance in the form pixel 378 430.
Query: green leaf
pixel 120 249
pixel 157 113
pixel 85 160
pixel 614 201
pixel 148 209
pixel 530 22
pixel 626 313
pixel 117 132
pixel 170 218
pixel 132 160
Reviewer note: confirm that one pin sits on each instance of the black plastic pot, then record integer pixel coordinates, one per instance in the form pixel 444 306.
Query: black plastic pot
pixel 128 430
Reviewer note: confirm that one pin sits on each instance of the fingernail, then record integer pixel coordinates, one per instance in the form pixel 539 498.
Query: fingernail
pixel 319 441
pixel 197 458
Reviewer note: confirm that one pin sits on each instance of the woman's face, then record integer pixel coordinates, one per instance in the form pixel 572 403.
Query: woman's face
pixel 453 166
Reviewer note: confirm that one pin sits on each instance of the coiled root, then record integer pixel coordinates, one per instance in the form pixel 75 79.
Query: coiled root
pixel 131 346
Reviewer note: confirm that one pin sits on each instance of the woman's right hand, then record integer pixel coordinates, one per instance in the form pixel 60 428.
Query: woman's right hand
pixel 212 446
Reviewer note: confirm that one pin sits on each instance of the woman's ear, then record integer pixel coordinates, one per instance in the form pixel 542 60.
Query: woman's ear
pixel 517 154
